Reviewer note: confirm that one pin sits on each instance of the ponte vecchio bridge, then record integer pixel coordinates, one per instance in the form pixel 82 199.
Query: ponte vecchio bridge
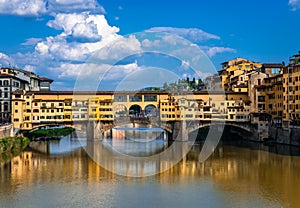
pixel 179 113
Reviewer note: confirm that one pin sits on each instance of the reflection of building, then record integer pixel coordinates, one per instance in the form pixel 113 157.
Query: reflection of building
pixel 12 79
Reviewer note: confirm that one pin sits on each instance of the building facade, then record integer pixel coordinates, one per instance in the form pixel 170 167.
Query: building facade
pixel 291 92
pixel 33 109
pixel 12 79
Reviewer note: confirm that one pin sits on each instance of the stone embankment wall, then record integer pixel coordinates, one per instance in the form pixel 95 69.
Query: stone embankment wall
pixel 289 136
pixel 6 131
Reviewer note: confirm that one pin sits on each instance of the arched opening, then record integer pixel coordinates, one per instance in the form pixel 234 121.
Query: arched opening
pixel 229 133
pixel 135 110
pixel 120 111
pixel 150 111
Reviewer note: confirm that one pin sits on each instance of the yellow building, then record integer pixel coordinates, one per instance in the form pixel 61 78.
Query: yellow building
pixel 291 94
pixel 234 68
pixel 34 109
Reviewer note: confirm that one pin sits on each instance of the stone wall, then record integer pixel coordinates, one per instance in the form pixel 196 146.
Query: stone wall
pixel 6 131
pixel 289 136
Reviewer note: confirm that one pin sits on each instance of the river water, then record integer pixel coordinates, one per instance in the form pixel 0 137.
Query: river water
pixel 238 174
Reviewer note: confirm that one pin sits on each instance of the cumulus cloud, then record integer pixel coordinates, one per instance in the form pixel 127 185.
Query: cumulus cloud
pixel 91 70
pixel 294 4
pixel 82 35
pixel 191 34
pixel 84 26
pixel 40 7
pixel 6 61
pixel 23 8
pixel 86 35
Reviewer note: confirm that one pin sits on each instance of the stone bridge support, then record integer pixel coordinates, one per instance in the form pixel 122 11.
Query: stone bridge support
pixel 180 131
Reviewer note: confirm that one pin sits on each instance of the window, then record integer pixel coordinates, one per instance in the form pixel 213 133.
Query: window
pixel 16 103
pixel 135 98
pixel 5 94
pixel 150 98
pixel 16 120
pixel 16 111
pixel 120 98
pixel 6 106
pixel 261 98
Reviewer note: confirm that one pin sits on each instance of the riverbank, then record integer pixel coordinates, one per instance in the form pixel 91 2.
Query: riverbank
pixel 11 147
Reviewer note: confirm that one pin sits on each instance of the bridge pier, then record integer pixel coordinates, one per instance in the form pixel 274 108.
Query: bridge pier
pixel 180 131
pixel 90 129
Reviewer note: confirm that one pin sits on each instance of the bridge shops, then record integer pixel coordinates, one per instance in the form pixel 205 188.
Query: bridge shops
pixel 31 110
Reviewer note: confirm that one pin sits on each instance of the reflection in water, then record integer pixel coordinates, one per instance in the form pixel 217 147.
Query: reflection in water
pixel 64 145
pixel 232 177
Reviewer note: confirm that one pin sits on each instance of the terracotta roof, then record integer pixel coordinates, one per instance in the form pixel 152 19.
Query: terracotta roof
pixel 44 79
pixel 273 65
pixel 18 92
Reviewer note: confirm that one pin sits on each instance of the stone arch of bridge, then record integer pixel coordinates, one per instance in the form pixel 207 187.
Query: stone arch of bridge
pixel 135 109
pixel 243 128
pixel 151 110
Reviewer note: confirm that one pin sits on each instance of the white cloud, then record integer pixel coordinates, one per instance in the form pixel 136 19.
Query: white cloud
pixel 30 68
pixel 95 72
pixel 212 51
pixel 40 7
pixel 294 4
pixel 31 41
pixel 23 8
pixel 82 35
pixel 191 34
pixel 69 6
pixel 6 61
pixel 83 25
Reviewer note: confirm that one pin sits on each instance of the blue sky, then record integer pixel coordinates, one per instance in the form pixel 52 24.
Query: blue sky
pixel 55 38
